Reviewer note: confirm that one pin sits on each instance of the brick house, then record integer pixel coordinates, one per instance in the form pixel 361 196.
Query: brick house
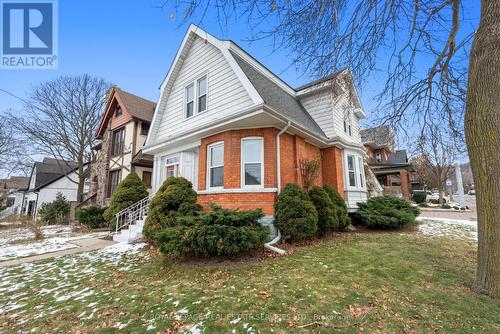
pixel 390 165
pixel 239 132
pixel 122 133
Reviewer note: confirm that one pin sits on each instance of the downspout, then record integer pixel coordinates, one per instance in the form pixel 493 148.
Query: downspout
pixel 270 244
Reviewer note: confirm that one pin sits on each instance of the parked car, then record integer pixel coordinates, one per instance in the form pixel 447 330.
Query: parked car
pixel 472 192
pixel 431 197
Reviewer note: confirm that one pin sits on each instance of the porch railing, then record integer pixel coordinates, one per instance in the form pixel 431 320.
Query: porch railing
pixel 131 214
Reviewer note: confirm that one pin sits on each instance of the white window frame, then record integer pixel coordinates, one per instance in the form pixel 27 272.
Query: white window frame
pixel 242 163
pixel 359 171
pixel 209 167
pixel 377 155
pixel 348 124
pixel 349 171
pixel 199 96
pixel 195 84
pixel 175 164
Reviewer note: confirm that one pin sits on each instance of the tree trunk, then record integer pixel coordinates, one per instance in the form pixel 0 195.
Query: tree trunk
pixel 482 125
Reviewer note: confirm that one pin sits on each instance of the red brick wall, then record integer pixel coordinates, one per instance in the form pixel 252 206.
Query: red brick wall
pixel 333 173
pixel 243 201
pixel 292 150
pixel 405 183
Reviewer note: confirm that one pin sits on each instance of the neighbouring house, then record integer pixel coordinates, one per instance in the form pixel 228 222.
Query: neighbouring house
pixel 47 179
pixel 12 193
pixel 122 133
pixel 239 133
pixel 390 165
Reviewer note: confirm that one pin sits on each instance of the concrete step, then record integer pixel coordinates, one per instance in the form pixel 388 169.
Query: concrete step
pixel 133 232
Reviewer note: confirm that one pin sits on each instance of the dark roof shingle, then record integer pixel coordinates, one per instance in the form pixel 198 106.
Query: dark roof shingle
pixel 137 106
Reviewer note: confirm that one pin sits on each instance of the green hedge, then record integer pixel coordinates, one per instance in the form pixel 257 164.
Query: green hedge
pixel 386 212
pixel 327 214
pixel 295 215
pixel 129 191
pixel 219 232
pixel 340 206
pixel 419 196
pixel 55 212
pixel 91 216
pixel 175 198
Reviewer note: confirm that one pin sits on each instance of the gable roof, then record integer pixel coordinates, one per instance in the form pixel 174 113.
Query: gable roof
pixel 397 157
pixel 263 86
pixel 136 106
pixel 50 170
pixel 17 182
pixel 380 136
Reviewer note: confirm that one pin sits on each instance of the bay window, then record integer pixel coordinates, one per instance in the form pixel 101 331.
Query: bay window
pixel 215 161
pixel 252 170
pixel 355 172
pixel 351 169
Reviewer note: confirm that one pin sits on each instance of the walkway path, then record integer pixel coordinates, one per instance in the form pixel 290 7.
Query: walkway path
pixel 85 245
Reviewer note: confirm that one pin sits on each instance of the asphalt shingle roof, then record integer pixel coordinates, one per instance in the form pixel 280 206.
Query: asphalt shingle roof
pixel 137 106
pixel 381 136
pixel 277 98
pixel 51 169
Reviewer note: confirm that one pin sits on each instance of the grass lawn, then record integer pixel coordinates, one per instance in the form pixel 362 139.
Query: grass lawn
pixel 367 282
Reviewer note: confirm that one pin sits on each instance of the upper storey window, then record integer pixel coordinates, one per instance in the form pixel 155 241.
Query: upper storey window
pixel 348 124
pixel 196 97
pixel 118 112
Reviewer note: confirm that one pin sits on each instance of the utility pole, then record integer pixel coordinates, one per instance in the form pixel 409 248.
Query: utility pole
pixel 460 185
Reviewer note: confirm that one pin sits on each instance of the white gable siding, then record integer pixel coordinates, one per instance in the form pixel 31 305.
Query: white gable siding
pixel 226 94
pixel 319 106
pixel 342 107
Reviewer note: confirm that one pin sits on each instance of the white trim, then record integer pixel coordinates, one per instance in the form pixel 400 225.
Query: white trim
pixel 242 163
pixel 209 147
pixel 237 191
pixel 359 171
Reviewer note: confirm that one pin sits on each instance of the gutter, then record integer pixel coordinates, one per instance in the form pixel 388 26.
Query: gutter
pixel 270 244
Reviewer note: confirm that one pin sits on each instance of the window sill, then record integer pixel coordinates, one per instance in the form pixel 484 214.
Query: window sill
pixel 236 191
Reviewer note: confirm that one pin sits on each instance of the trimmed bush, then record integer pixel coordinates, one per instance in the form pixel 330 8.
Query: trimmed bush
pixel 387 212
pixel 175 198
pixel 55 212
pixel 341 207
pixel 295 215
pixel 219 232
pixel 129 191
pixel 327 215
pixel 419 196
pixel 91 217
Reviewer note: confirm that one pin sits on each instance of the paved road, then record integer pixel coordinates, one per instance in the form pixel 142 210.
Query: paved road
pixel 85 245
pixel 470 201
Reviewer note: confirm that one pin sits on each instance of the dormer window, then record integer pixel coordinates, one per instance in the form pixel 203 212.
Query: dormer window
pixel 118 112
pixel 378 157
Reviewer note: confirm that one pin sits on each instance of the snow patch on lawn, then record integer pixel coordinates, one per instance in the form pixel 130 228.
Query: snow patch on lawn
pixel 49 245
pixel 451 228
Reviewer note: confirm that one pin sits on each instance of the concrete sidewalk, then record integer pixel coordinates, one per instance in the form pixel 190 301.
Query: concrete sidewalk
pixel 85 245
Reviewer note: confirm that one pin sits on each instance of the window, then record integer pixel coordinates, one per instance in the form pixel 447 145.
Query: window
pixel 252 160
pixel 144 129
pixel 347 124
pixel 378 157
pixel 172 166
pixel 351 170
pixel 202 94
pixel 190 100
pixel 146 179
pixel 216 165
pixel 118 112
pixel 118 142
pixel 361 169
pixel 114 178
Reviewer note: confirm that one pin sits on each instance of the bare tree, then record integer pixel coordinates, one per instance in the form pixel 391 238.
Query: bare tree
pixel 422 46
pixel 434 165
pixel 14 151
pixel 60 119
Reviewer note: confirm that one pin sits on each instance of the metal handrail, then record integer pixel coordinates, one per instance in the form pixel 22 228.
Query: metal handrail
pixel 132 213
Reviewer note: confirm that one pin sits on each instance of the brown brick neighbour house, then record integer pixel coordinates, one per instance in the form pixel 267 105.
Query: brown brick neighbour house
pixel 239 132
pixel 390 165
pixel 122 133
